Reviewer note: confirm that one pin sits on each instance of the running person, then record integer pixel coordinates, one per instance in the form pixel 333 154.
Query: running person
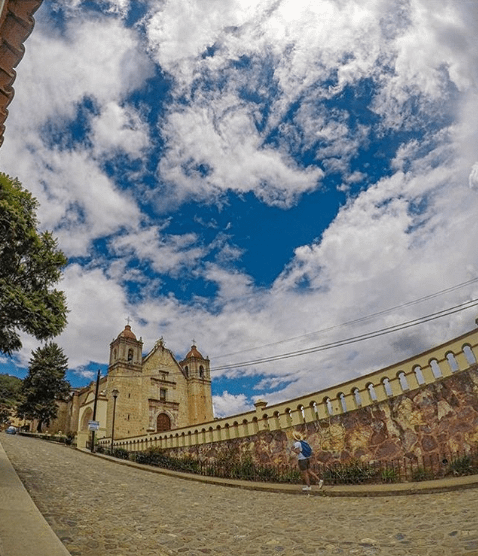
pixel 303 459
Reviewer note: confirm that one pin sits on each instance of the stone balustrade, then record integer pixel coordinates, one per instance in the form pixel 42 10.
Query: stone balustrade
pixel 417 372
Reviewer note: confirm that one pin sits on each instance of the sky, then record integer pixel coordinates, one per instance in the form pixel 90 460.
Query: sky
pixel 271 179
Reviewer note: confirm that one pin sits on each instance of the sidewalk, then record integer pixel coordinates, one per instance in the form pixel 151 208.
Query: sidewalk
pixel 422 487
pixel 23 530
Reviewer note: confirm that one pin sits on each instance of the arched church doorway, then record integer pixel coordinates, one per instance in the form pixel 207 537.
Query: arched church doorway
pixel 87 416
pixel 163 423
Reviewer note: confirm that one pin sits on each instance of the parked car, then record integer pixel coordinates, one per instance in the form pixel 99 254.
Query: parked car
pixel 11 430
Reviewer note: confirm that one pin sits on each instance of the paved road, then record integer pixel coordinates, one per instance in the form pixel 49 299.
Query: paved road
pixel 100 508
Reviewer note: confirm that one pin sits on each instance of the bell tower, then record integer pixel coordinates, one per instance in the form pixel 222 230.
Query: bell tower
pixel 124 392
pixel 126 351
pixel 197 371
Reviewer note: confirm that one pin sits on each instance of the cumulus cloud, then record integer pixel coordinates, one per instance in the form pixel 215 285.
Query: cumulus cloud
pixel 473 179
pixel 93 57
pixel 119 129
pixel 62 71
pixel 209 153
pixel 270 98
pixel 167 254
pixel 229 404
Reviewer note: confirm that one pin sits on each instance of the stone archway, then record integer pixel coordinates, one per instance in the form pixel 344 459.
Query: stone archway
pixel 163 423
pixel 87 416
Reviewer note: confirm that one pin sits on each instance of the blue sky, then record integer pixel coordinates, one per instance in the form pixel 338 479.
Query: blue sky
pixel 258 176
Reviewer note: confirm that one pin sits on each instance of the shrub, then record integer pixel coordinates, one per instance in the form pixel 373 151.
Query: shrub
pixel 354 472
pixel 465 465
pixel 120 453
pixel 422 474
pixel 389 475
pixel 141 457
pixel 70 437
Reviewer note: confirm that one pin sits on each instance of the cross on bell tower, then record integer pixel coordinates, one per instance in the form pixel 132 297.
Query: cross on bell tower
pixel 126 349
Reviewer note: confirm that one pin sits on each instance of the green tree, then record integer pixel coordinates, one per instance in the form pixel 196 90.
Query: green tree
pixel 44 385
pixel 10 396
pixel 10 390
pixel 30 266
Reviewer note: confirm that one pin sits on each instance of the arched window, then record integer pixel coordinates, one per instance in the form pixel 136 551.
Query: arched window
pixel 452 362
pixel 371 392
pixel 130 354
pixel 201 371
pixel 342 402
pixel 387 387
pixel 357 397
pixel 435 368
pixel 418 374
pixel 470 356
pixel 403 381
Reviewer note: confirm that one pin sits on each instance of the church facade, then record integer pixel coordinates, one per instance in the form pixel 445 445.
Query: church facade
pixel 142 394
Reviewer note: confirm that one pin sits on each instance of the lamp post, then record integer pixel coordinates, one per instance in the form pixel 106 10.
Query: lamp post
pixel 115 395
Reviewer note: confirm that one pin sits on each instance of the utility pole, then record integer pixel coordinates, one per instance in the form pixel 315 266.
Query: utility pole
pixel 94 410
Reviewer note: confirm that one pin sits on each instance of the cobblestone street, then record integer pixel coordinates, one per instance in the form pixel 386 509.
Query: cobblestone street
pixel 100 508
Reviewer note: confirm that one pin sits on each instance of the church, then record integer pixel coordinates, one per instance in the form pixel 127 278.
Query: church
pixel 141 394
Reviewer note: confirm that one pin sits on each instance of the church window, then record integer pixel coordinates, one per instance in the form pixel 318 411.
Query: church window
pixel 130 355
pixel 162 394
pixel 201 371
pixel 186 368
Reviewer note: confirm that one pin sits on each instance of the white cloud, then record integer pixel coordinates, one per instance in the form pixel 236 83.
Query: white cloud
pixel 249 85
pixel 119 129
pixel 167 254
pixel 211 152
pixel 473 180
pixel 78 202
pixel 95 302
pixel 97 58
pixel 229 404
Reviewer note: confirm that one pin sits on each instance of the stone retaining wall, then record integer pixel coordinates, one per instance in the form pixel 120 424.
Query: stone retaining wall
pixel 439 419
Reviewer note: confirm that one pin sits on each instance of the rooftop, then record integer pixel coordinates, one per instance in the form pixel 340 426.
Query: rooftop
pixel 16 24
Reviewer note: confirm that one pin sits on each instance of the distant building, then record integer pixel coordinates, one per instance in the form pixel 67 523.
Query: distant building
pixel 155 393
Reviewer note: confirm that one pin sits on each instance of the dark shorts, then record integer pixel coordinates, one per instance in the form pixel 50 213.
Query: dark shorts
pixel 304 464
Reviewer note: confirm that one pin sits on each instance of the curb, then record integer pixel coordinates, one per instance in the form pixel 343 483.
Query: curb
pixel 23 529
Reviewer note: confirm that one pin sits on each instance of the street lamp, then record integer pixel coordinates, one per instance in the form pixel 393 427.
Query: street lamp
pixel 115 395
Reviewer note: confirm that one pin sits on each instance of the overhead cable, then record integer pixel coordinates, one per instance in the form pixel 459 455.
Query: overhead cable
pixel 355 321
pixel 352 340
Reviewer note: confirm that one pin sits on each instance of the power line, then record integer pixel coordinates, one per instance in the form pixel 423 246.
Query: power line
pixel 355 321
pixel 354 339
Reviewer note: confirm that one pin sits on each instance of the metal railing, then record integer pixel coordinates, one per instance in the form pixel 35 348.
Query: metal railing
pixel 427 467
